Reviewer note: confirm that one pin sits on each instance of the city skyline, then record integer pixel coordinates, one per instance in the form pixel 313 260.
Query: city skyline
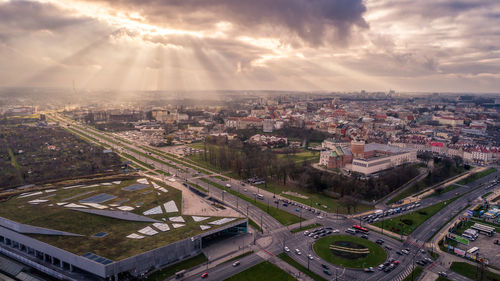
pixel 424 46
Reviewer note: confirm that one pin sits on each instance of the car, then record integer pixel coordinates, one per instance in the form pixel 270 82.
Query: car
pixel 379 241
pixel 335 231
pixel 395 262
pixel 369 269
pixel 391 260
pixel 443 274
pixel 311 234
pixel 428 260
pixel 329 228
pixel 420 263
pixel 405 252
pixel 316 236
pixel 285 205
pixel 388 247
pixel 327 272
pixel 236 263
pixel 204 275
pixel 306 233
pixel 322 235
pixel 422 251
pixel 381 267
pixel 298 252
pixel 364 236
pixel 310 257
pixel 297 210
pixel 287 249
pixel 399 253
pixel 325 266
pixel 387 269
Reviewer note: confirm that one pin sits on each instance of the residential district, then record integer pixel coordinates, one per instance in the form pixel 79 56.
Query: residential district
pixel 251 185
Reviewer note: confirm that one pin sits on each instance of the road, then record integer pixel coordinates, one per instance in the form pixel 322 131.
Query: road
pixel 281 236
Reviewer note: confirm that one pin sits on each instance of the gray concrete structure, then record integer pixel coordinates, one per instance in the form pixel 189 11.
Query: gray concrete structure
pixel 62 264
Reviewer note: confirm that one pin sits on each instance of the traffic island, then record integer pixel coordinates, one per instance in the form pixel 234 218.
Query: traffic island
pixel 349 251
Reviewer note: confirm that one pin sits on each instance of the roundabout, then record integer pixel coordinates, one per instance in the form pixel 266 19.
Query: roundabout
pixel 349 251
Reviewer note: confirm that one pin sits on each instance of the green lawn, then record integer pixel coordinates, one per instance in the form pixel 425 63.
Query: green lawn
pixel 414 274
pixel 283 217
pixel 477 176
pixel 254 225
pixel 407 223
pixel 471 271
pixel 445 190
pixel 262 271
pixel 487 194
pixel 300 267
pixel 166 272
pixel 299 157
pixel 376 256
pixel 240 256
pixel 198 187
pixel 314 225
pixel 416 187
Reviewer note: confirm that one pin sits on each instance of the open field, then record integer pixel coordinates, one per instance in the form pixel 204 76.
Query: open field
pixel 262 271
pixel 407 223
pixel 47 209
pixel 30 154
pixel 376 256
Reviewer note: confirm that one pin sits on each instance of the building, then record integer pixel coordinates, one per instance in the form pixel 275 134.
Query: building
pixel 268 126
pixel 379 157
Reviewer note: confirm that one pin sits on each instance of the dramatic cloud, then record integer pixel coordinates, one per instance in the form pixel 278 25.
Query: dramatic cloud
pixel 407 45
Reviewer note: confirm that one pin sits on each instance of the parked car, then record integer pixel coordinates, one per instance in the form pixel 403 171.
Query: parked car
pixel 369 269
pixel 327 272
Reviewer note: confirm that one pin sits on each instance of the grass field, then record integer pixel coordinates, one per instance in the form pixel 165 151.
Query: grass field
pixel 314 225
pixel 166 272
pixel 376 256
pixel 262 271
pixel 477 176
pixel 407 223
pixel 445 190
pixel 471 271
pixel 283 217
pixel 302 156
pixel 300 267
pixel 414 274
pixel 254 225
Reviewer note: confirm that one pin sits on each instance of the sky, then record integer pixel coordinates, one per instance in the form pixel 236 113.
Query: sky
pixel 297 45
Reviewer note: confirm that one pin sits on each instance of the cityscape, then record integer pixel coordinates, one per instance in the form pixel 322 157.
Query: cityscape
pixel 249 140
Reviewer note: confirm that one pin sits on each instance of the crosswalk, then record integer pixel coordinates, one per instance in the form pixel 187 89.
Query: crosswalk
pixel 403 274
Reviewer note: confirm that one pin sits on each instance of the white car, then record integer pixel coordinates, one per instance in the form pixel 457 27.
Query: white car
pixel 287 249
pixel 298 252
pixel 335 231
pixel 306 233
pixel 310 256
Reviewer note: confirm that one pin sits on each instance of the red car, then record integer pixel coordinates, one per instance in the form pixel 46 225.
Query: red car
pixel 396 262
pixel 204 275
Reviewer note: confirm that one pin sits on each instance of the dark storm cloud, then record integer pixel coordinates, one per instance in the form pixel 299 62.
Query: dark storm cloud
pixel 32 16
pixel 313 21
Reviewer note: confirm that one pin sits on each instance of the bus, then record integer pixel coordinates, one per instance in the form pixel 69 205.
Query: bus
pixel 361 229
pixel 481 228
pixel 473 250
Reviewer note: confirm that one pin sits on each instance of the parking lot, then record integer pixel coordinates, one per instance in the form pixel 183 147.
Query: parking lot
pixel 486 248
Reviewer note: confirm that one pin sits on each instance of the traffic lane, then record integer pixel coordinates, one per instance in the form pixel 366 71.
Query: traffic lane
pixel 304 243
pixel 269 198
pixel 226 270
